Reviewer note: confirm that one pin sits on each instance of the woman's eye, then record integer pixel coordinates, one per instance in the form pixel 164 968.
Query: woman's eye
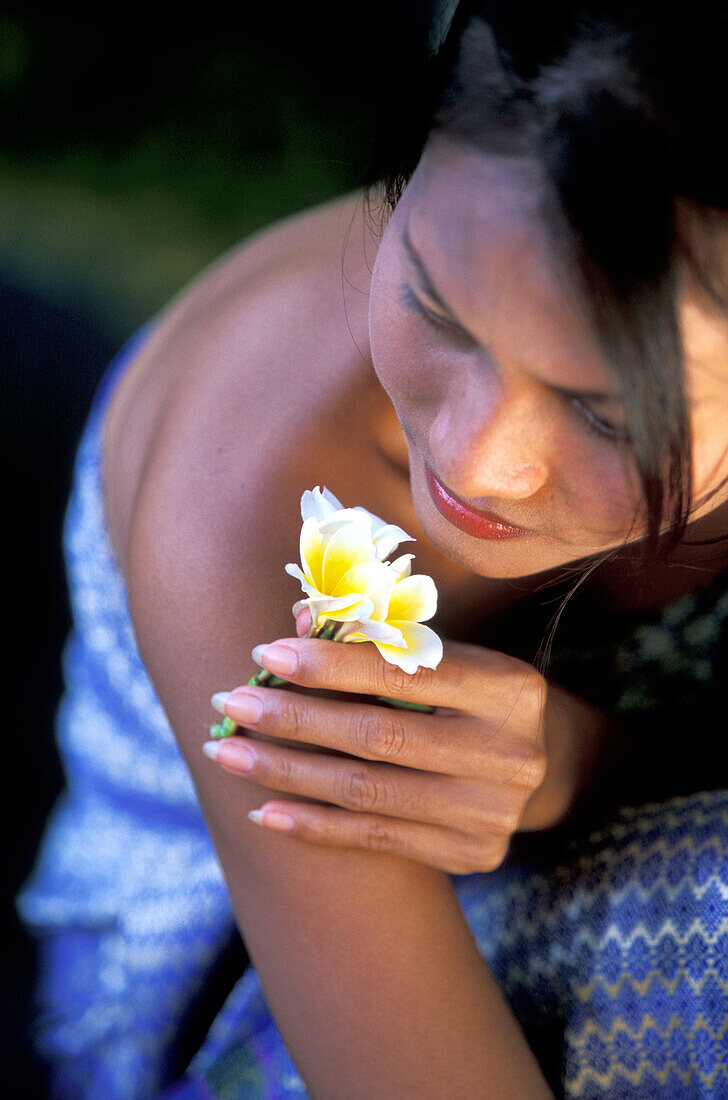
pixel 433 317
pixel 600 425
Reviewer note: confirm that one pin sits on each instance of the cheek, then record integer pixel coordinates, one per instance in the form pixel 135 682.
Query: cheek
pixel 709 427
pixel 597 484
pixel 592 488
pixel 383 336
pixel 408 366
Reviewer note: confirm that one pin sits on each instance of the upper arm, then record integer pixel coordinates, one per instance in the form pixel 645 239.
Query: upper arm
pixel 375 947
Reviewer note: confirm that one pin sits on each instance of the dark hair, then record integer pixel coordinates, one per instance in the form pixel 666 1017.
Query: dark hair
pixel 621 104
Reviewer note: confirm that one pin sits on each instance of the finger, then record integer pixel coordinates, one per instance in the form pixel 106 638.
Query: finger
pixel 303 622
pixel 458 682
pixel 353 785
pixel 444 743
pixel 447 850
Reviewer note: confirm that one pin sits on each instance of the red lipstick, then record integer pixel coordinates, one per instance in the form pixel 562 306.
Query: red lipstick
pixel 481 525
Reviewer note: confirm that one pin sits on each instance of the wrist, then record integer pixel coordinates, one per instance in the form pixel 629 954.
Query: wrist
pixel 576 737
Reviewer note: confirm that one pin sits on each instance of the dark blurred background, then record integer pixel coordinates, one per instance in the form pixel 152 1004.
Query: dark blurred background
pixel 132 153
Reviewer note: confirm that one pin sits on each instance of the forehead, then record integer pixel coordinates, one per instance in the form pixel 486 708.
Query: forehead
pixel 482 226
pixel 473 198
pixel 492 235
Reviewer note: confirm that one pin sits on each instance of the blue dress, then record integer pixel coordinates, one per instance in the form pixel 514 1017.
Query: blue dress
pixel 612 947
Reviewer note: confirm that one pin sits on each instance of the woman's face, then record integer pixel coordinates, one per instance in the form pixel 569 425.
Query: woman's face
pixel 514 421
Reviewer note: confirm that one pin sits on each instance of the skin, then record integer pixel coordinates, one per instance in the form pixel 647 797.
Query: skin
pixel 481 401
pixel 202 507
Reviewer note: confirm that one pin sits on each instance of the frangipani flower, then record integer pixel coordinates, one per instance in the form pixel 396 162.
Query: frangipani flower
pixel 347 581
pixel 354 594
pixel 322 505
pixel 342 576
pixel 342 550
pixel 400 636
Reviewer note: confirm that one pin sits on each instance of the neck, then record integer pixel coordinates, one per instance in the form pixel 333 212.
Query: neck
pixel 625 584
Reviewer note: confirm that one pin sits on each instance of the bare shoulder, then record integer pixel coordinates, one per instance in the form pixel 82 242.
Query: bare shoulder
pixel 255 385
pixel 241 374
pixel 251 390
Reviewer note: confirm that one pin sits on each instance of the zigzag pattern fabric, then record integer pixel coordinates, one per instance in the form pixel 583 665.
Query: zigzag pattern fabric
pixel 612 948
pixel 614 959
pixel 619 953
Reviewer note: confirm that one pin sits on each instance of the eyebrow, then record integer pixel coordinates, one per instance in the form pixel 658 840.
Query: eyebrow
pixel 595 397
pixel 424 277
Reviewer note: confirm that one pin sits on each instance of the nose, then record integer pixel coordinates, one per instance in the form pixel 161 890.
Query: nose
pixel 496 447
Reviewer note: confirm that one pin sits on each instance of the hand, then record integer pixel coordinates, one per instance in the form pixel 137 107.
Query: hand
pixel 448 789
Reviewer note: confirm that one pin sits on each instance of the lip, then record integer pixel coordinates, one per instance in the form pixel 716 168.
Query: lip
pixel 480 524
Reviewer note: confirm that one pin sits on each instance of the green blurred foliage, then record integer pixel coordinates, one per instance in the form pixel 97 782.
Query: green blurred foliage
pixel 132 154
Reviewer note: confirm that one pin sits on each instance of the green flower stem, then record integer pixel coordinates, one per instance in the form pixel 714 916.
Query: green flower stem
pixel 264 678
pixel 223 729
pixel 328 630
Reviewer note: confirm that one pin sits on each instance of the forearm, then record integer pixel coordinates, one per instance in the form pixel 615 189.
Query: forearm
pixel 368 964
pixel 382 999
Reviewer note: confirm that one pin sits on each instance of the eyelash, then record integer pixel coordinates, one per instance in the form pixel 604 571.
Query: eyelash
pixel 589 420
pixel 411 300
pixel 596 425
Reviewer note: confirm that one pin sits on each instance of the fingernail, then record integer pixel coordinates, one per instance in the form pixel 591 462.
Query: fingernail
pixel 230 754
pixel 237 757
pixel 279 659
pixel 245 708
pixel 273 819
pixel 218 701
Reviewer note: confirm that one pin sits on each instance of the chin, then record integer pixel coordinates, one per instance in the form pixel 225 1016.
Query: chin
pixel 508 559
pixel 529 555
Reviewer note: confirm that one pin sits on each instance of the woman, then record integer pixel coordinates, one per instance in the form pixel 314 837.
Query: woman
pixel 525 367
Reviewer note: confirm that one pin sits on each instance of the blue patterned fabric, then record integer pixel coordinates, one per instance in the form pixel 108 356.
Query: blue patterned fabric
pixel 612 948
pixel 127 897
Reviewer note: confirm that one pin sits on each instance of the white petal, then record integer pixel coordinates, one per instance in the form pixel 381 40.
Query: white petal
pixel 350 546
pixel 402 565
pixel 294 570
pixel 423 644
pixel 387 537
pixel 400 657
pixel 373 578
pixel 348 609
pixel 360 608
pixel 333 501
pixel 312 591
pixel 369 630
pixel 376 521
pixel 310 504
pixel 311 547
pixel 318 504
pixel 331 523
pixel 414 598
pixel 383 530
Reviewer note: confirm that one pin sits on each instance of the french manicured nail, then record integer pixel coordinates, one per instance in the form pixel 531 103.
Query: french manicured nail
pixel 231 754
pixel 279 659
pixel 246 708
pixel 218 701
pixel 273 819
